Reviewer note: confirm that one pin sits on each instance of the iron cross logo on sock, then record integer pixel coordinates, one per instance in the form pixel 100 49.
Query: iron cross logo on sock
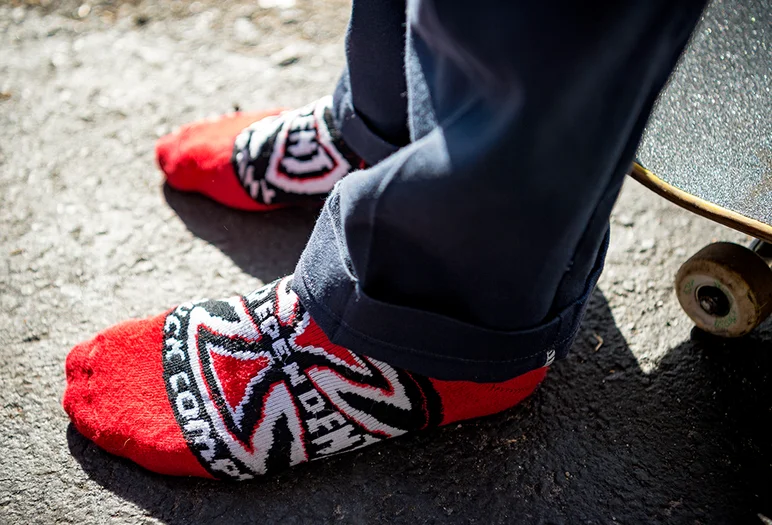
pixel 256 387
pixel 295 153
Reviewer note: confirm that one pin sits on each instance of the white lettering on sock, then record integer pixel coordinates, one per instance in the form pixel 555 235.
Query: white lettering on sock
pixel 264 310
pixel 312 401
pixel 338 440
pixel 227 466
pixel 294 373
pixel 326 422
pixel 281 349
pixel 172 320
pixel 174 380
pixel 258 295
pixel 201 433
pixel 187 405
pixel 270 327
pixel 174 348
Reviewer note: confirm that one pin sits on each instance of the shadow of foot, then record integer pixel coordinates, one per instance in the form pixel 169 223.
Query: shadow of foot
pixel 599 441
pixel 264 245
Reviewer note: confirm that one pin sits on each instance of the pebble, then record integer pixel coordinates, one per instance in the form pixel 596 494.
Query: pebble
pixel 144 266
pixel 646 245
pixel 290 16
pixel 18 14
pixel 286 56
pixel 245 32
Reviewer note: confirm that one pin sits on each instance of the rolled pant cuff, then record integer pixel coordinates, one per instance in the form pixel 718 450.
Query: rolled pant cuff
pixel 419 341
pixel 355 132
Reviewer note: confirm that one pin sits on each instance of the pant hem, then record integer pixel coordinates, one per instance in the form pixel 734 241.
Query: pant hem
pixel 354 130
pixel 425 342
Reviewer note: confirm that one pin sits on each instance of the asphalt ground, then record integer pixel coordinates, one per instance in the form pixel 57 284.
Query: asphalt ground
pixel 647 421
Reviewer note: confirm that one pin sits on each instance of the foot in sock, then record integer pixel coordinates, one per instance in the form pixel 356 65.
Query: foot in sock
pixel 259 161
pixel 237 388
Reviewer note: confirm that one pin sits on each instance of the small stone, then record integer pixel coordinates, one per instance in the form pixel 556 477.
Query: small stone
pixel 286 56
pixel 245 32
pixel 647 244
pixel 18 14
pixel 144 266
pixel 629 285
pixel 84 10
pixel 626 221
pixel 290 16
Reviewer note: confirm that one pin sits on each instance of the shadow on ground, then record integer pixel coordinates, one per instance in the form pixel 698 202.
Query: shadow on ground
pixel 264 245
pixel 599 441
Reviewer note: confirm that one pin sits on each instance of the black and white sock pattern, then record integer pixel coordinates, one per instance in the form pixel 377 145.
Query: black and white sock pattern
pixel 293 155
pixel 256 387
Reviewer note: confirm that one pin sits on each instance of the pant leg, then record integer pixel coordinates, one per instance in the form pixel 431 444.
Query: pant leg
pixel 471 253
pixel 370 101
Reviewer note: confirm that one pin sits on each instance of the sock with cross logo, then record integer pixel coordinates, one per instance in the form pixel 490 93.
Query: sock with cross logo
pixel 259 161
pixel 241 387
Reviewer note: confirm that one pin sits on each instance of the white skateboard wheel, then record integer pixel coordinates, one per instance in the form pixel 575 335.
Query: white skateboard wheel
pixel 726 289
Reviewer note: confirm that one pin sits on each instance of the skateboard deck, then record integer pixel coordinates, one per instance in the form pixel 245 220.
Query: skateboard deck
pixel 708 148
pixel 735 215
pixel 708 144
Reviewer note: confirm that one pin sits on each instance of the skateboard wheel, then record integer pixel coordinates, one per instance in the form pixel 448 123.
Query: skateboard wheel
pixel 726 289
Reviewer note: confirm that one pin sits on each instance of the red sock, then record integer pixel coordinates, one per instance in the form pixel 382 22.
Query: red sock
pixel 259 161
pixel 241 387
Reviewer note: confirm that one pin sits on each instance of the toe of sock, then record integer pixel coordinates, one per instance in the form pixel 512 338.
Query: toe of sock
pixel 198 158
pixel 166 153
pixel 116 397
pixel 76 401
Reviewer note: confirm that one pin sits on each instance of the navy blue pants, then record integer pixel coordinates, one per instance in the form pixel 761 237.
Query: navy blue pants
pixel 499 133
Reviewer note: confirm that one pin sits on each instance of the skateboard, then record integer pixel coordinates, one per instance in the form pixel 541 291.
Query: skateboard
pixel 708 148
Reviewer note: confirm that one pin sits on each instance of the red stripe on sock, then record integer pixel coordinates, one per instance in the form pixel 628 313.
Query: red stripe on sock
pixel 466 400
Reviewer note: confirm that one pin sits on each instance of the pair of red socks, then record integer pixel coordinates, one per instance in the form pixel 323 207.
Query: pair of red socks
pixel 241 387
